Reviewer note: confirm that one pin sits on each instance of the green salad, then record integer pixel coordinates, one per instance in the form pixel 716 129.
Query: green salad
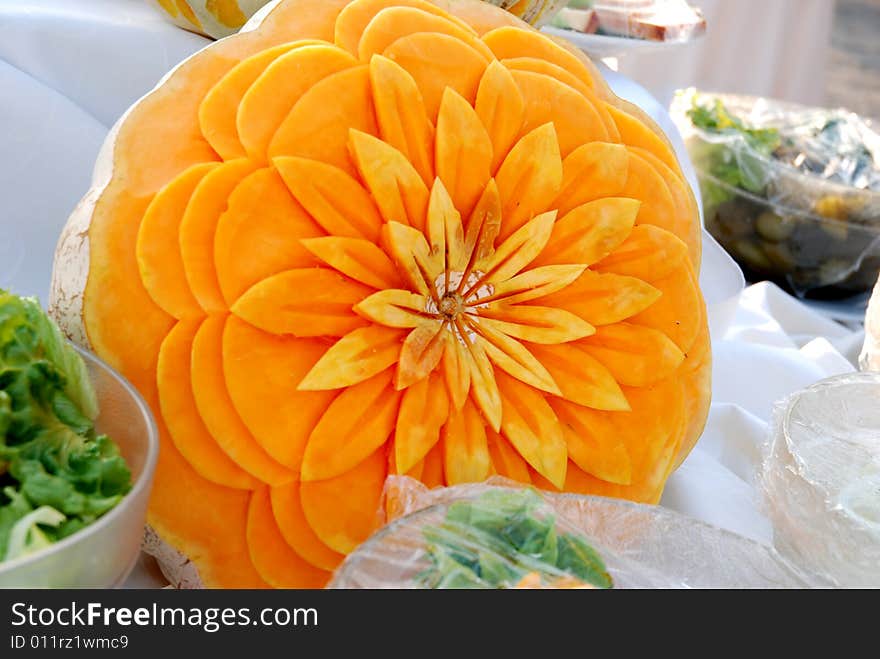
pixel 500 539
pixel 57 475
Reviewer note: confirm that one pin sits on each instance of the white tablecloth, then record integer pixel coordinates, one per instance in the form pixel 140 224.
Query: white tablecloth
pixel 69 68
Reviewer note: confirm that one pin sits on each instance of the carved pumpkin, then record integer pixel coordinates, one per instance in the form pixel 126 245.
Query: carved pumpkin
pixel 386 236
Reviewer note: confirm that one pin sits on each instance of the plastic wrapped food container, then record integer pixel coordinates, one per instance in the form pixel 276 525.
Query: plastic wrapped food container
pixel 870 357
pixel 102 554
pixel 805 215
pixel 640 546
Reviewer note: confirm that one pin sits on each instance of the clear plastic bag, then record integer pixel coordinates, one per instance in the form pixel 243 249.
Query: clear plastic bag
pixel 793 193
pixel 870 357
pixel 640 546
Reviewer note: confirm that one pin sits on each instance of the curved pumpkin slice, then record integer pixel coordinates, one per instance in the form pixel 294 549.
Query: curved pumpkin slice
pixel 178 408
pixel 159 260
pixel 357 356
pixel 506 461
pixel 271 97
pixel 636 356
pixel 509 42
pixel 437 61
pixel 318 125
pixel 590 232
pixel 303 302
pixel 400 111
pixel 262 374
pixel 530 424
pixel 343 510
pixel 463 152
pixel 288 512
pixel 263 218
pixel 335 200
pixel 512 356
pixel 358 259
pixel 199 226
pixel 397 187
pixel 649 253
pixel 273 558
pixel 353 19
pixel 423 411
pixel 466 456
pixel 218 111
pixel 645 184
pixel 590 172
pixel 696 376
pixel 217 411
pixel 354 425
pixel 679 313
pixel 685 226
pixel 534 323
pixel 394 23
pixel 593 443
pixel 529 178
pixel 635 132
pixel 432 468
pixel 581 378
pixel 421 352
pixel 547 100
pixel 501 108
pixel 603 299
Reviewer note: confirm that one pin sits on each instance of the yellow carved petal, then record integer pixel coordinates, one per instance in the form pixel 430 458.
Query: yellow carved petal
pixel 636 132
pixel 318 125
pixel 529 178
pixel 420 354
pixel 581 378
pixel 549 101
pixel 514 358
pixel 218 110
pixel 545 67
pixel 520 249
pixel 423 410
pixel 357 422
pixel 533 284
pixel 445 232
pixel 199 227
pixel 505 459
pixel 530 424
pixel 159 260
pixel 410 251
pixel 645 184
pixel 393 308
pixel 359 259
pixel 483 226
pixel 271 97
pixel 636 356
pixel 400 111
pixel 392 23
pixel 534 323
pixel 456 370
pixel 438 62
pixel 507 42
pixel 649 253
pixel 484 387
pixel 680 311
pixel 354 18
pixel 465 449
pixel 590 232
pixel 501 108
pixel 357 356
pixel 463 151
pixel 396 185
pixel 603 299
pixel 334 199
pixel 593 442
pixel 590 172
pixel 303 302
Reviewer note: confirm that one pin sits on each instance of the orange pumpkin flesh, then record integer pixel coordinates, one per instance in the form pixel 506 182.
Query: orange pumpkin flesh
pixel 377 236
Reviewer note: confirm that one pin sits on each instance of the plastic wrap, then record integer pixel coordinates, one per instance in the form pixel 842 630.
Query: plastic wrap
pixel 870 357
pixel 821 479
pixel 647 20
pixel 793 193
pixel 641 546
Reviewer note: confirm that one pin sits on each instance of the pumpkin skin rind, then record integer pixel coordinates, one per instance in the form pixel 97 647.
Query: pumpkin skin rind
pixel 96 269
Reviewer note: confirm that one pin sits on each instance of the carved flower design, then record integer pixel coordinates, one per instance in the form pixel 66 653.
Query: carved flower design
pixel 418 247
